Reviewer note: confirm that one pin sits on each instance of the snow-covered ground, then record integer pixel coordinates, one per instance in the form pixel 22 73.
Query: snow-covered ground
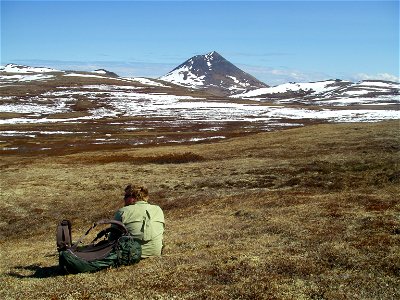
pixel 126 101
pixel 12 73
pixel 330 92
pixel 24 77
pixel 145 81
pixel 13 68
pixel 316 87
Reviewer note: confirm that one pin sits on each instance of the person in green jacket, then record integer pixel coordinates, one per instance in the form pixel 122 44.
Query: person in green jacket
pixel 143 220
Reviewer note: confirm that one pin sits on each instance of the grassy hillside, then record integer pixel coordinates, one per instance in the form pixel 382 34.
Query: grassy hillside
pixel 306 213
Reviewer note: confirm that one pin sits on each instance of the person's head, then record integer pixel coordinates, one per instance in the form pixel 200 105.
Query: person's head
pixel 135 193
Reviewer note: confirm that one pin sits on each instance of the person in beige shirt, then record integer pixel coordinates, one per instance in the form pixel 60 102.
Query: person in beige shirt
pixel 144 221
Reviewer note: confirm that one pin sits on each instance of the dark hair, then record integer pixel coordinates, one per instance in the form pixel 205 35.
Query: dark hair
pixel 138 192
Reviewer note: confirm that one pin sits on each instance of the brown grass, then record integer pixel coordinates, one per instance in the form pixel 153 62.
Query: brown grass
pixel 308 213
pixel 169 158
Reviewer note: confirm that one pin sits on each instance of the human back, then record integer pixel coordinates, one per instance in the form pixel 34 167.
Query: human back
pixel 143 220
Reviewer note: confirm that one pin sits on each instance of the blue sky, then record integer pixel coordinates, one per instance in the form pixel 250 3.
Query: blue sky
pixel 275 41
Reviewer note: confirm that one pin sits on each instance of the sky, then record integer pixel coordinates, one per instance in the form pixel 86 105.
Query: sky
pixel 275 41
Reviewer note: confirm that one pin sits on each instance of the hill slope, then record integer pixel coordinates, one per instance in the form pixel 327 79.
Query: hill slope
pixel 330 92
pixel 306 213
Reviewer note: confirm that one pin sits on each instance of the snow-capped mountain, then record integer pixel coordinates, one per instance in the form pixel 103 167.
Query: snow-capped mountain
pixel 214 74
pixel 332 92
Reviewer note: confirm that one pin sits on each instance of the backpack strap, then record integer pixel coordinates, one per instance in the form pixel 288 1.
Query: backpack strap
pixel 119 225
pixel 146 227
pixel 63 235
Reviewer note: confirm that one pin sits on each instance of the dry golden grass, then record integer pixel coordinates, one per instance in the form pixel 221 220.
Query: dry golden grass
pixel 307 213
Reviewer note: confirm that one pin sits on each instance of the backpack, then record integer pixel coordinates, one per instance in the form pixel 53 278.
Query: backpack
pixel 122 250
pixel 63 235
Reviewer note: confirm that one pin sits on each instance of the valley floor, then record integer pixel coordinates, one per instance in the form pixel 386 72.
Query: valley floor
pixel 305 213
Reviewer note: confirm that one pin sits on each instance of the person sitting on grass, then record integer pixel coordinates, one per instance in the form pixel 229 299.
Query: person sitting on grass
pixel 143 220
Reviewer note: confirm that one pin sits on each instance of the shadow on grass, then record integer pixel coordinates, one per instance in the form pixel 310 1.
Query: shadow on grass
pixel 39 272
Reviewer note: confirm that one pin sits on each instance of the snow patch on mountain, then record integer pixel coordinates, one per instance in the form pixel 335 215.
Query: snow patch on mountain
pixel 13 68
pixel 184 77
pixel 383 84
pixel 314 87
pixel 209 58
pixel 13 73
pixel 146 81
pixel 238 82
pixel 4 79
pixel 330 92
pixel 100 71
pixel 82 75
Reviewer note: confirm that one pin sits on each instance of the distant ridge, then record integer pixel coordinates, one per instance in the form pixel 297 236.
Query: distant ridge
pixel 334 91
pixel 14 68
pixel 213 73
pixel 105 73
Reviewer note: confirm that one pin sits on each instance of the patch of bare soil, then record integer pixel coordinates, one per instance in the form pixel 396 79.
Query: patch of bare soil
pixel 306 213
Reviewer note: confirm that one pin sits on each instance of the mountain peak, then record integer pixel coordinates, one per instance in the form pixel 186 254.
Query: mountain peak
pixel 213 73
pixel 213 55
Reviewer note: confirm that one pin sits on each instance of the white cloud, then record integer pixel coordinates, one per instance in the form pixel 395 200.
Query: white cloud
pixel 276 76
pixel 379 76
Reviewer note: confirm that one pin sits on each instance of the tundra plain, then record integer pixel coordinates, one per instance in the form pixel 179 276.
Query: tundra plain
pixel 302 213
